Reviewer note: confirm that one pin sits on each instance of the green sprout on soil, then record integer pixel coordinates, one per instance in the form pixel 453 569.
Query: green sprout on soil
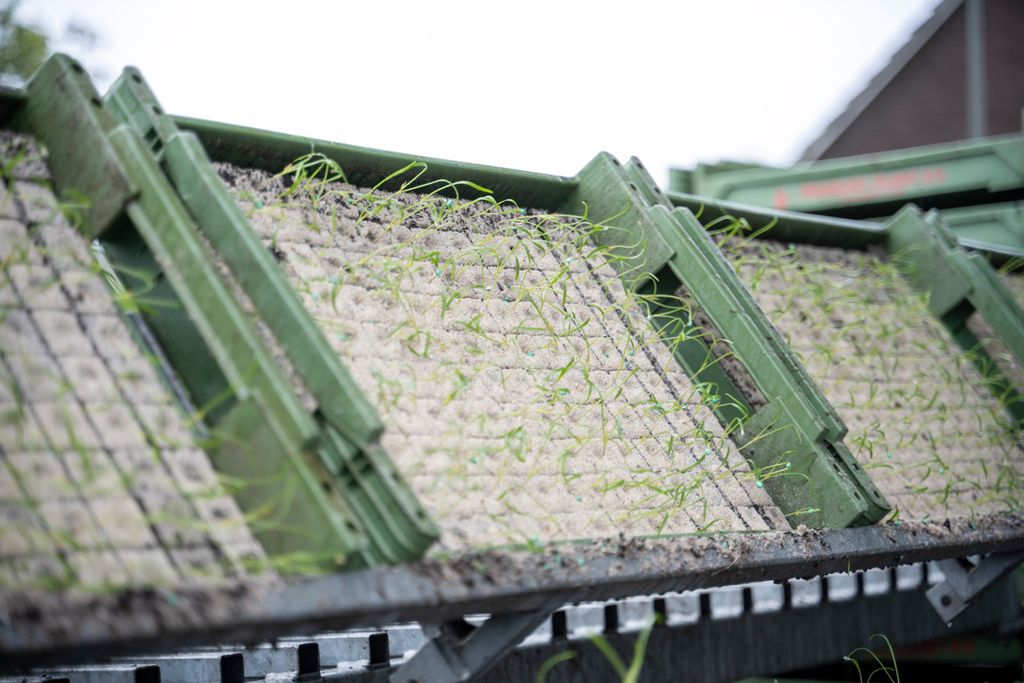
pixel 626 674
pixel 630 674
pixel 880 669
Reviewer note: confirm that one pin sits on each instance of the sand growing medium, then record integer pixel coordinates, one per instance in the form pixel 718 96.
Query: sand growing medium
pixel 102 484
pixel 922 421
pixel 525 397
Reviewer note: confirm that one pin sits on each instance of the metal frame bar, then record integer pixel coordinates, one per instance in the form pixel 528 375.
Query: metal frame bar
pixel 787 226
pixel 694 628
pixel 770 642
pixel 973 226
pixel 454 653
pixel 937 176
pixel 494 582
pixel 977 73
pixel 271 151
pixel 964 582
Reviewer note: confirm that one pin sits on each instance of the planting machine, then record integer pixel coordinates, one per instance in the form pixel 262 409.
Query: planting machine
pixel 282 405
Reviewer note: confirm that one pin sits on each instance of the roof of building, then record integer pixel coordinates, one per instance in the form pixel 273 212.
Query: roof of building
pixel 881 80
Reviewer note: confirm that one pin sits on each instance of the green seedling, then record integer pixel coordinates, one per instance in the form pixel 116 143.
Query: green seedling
pixel 881 670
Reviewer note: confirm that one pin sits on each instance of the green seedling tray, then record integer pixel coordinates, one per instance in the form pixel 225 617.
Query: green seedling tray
pixel 828 487
pixel 839 495
pixel 397 526
pixel 932 257
pixel 263 438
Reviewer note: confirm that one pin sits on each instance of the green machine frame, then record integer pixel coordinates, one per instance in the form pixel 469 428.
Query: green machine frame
pixel 987 174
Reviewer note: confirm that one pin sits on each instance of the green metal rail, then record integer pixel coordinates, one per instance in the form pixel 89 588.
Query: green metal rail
pixel 995 228
pixel 271 151
pixel 307 481
pixel 785 226
pixel 939 176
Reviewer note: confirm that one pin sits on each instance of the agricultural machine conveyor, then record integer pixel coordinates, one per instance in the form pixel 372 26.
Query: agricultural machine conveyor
pixel 259 387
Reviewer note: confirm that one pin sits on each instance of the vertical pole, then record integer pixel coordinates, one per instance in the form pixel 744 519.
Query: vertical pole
pixel 977 96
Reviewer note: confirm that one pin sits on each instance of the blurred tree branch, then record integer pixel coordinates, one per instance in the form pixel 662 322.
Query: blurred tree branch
pixel 24 47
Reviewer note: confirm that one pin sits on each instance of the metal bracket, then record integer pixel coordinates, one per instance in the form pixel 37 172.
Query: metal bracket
pixel 965 582
pixel 459 651
pixel 994 228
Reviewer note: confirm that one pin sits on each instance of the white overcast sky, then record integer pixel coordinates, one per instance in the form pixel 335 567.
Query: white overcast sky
pixel 541 86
